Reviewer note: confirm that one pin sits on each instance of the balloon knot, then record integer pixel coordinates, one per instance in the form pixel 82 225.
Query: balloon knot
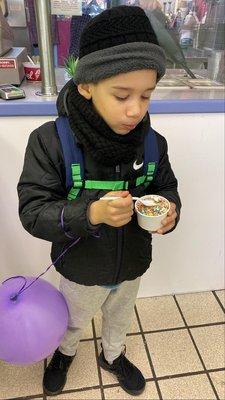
pixel 13 297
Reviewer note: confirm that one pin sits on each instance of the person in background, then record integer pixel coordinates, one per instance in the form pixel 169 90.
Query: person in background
pixel 150 4
pixel 106 108
pixel 187 30
pixel 78 22
pixel 201 7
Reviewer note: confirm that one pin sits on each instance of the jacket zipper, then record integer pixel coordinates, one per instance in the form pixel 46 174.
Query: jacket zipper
pixel 120 232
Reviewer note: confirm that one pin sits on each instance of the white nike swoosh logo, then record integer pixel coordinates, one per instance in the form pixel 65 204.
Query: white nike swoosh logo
pixel 137 166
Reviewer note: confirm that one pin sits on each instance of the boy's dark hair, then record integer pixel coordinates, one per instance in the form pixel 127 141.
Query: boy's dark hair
pixel 118 40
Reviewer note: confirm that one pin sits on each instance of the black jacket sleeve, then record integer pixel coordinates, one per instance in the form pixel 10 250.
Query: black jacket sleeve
pixel 165 183
pixel 42 192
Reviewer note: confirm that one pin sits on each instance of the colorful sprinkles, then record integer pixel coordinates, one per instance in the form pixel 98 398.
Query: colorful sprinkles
pixel 160 207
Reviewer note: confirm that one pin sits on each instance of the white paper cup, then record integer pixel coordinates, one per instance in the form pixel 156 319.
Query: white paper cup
pixel 147 222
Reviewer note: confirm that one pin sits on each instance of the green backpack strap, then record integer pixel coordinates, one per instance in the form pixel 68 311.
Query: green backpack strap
pixel 77 182
pixel 73 157
pixel 106 185
pixel 151 168
pixel 151 159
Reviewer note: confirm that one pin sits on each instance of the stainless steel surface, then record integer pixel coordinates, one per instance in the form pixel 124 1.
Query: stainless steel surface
pixel 6 35
pixel 16 13
pixel 216 70
pixel 12 71
pixel 16 18
pixel 43 20
pixel 4 7
pixel 158 94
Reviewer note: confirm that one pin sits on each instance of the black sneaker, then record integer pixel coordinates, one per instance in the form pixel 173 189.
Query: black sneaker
pixel 129 376
pixel 56 373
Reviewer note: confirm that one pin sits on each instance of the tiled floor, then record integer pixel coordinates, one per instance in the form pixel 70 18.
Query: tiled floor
pixel 176 341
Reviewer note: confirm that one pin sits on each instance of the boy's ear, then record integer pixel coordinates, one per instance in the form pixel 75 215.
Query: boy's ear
pixel 85 90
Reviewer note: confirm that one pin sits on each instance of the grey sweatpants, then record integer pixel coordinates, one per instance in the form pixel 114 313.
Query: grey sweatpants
pixel 84 301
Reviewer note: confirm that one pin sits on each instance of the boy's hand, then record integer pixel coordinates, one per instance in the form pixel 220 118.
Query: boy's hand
pixel 112 212
pixel 168 222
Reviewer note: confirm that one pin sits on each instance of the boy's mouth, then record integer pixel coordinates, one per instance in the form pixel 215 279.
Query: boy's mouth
pixel 129 126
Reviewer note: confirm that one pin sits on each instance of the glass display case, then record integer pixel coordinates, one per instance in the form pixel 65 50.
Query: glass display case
pixel 197 33
pixel 192 34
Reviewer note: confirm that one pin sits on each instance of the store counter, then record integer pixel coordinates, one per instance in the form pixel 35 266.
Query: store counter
pixel 164 101
pixel 188 260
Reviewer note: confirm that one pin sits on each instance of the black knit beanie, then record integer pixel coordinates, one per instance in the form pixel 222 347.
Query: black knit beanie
pixel 118 40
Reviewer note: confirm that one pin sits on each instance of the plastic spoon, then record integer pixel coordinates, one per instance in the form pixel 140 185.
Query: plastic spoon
pixel 30 59
pixel 146 202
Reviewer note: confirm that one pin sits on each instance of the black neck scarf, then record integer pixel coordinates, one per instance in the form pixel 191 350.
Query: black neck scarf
pixel 98 139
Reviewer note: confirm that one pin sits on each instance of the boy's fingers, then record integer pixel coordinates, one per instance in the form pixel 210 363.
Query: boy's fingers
pixel 117 193
pixel 121 217
pixel 123 202
pixel 168 222
pixel 172 208
pixel 124 193
pixel 169 219
pixel 114 211
pixel 161 231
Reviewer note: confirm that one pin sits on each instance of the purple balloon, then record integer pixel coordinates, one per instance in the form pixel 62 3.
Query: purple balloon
pixel 32 325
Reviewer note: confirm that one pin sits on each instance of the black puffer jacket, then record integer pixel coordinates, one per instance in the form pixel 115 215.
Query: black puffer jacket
pixel 119 254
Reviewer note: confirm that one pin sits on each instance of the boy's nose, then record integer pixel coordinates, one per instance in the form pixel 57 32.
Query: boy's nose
pixel 134 110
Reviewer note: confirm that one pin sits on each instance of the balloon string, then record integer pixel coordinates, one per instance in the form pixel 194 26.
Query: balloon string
pixel 54 262
pixel 18 276
pixel 24 287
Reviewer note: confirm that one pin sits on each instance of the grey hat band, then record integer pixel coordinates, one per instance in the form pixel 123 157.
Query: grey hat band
pixel 114 60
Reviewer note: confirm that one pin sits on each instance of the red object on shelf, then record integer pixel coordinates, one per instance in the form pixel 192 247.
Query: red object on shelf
pixel 7 63
pixel 64 39
pixel 32 72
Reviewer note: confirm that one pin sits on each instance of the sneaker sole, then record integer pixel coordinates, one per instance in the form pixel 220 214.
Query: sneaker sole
pixel 54 393
pixel 132 392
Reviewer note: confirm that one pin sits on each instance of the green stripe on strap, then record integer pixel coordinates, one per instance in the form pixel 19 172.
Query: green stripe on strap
pixel 76 175
pixel 140 180
pixel 106 185
pixel 73 193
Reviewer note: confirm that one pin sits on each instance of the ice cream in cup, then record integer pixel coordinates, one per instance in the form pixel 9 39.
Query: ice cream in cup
pixel 32 71
pixel 150 217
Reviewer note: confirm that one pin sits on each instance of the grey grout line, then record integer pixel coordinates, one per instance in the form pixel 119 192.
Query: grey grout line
pixel 29 397
pixel 171 329
pixel 78 390
pixel 45 366
pixel 186 374
pixel 96 355
pixel 196 348
pixel 169 377
pixel 163 330
pixel 218 300
pixel 206 325
pixel 112 385
pixel 142 333
pixel 148 354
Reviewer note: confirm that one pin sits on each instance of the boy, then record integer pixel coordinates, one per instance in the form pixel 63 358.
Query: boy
pixel 106 106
